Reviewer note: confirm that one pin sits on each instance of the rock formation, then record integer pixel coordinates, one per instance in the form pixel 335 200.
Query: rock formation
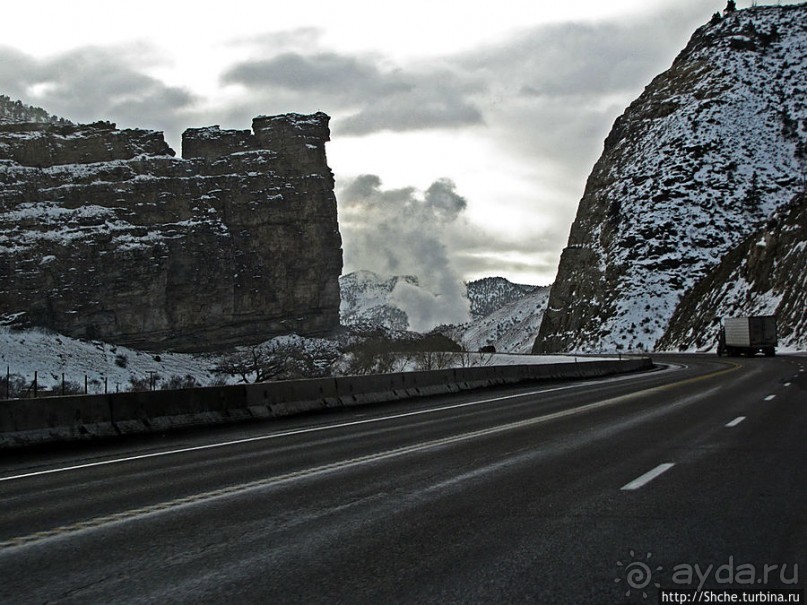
pixel 708 153
pixel 764 275
pixel 104 234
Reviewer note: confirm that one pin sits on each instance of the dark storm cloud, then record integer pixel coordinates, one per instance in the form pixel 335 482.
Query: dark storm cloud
pixel 347 78
pixel 398 231
pixel 370 97
pixel 90 84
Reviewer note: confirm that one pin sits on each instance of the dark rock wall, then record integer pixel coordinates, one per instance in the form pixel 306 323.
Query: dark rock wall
pixel 105 235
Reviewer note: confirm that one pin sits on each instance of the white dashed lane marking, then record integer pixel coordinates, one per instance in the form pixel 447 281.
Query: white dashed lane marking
pixel 647 477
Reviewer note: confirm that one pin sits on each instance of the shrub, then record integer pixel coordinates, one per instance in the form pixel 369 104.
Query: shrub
pixel 179 382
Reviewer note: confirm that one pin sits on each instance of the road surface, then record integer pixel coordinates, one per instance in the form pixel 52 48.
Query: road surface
pixel 601 491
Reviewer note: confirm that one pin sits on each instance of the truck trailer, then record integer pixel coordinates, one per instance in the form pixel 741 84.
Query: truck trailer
pixel 747 336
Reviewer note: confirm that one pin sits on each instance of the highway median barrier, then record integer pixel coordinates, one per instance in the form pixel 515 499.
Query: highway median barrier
pixel 26 422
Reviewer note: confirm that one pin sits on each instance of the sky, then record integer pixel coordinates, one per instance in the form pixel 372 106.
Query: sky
pixel 462 133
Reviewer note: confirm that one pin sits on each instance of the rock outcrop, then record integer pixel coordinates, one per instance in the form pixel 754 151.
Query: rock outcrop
pixel 104 234
pixel 704 157
pixel 765 275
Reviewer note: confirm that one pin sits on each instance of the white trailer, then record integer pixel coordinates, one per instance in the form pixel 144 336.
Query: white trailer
pixel 748 336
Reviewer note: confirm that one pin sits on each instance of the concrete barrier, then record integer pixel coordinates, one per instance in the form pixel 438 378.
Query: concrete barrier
pixel 31 421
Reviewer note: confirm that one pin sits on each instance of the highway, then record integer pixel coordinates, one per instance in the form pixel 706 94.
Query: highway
pixel 542 493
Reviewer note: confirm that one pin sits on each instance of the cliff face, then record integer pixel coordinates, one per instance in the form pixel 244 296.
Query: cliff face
pixel 764 275
pixel 708 152
pixel 105 234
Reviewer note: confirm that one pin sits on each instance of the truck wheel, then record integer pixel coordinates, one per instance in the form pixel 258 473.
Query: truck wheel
pixel 770 352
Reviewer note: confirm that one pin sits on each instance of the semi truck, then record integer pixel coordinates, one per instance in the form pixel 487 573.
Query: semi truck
pixel 747 336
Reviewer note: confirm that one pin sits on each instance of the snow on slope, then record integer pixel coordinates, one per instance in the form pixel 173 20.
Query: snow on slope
pixel 51 356
pixel 24 352
pixel 366 299
pixel 489 294
pixel 506 315
pixel 704 156
pixel 765 275
pixel 510 328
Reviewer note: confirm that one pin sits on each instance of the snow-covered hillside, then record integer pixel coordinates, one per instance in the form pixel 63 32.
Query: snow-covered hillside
pixel 367 300
pixel 510 328
pixel 58 361
pixel 24 353
pixel 505 315
pixel 489 294
pixel 765 275
pixel 697 163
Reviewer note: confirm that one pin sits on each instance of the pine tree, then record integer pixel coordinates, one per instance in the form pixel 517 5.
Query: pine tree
pixel 753 197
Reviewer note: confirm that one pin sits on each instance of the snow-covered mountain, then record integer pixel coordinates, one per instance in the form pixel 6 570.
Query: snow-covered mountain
pixel 510 328
pixel 701 160
pixel 764 275
pixel 489 294
pixel 367 300
pixel 504 314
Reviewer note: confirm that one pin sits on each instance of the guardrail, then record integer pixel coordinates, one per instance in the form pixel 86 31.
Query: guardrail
pixel 33 421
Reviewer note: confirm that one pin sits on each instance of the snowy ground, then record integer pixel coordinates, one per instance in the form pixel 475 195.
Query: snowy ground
pixel 50 356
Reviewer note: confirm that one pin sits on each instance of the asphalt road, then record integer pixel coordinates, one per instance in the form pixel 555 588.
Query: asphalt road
pixel 579 492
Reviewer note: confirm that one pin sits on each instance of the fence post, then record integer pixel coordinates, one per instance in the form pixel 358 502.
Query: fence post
pixel 85 384
pixel 36 383
pixel 63 383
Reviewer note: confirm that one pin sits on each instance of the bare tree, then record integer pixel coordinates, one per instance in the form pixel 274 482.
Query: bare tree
pixel 279 361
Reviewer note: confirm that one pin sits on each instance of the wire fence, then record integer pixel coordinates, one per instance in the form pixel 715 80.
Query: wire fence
pixel 19 386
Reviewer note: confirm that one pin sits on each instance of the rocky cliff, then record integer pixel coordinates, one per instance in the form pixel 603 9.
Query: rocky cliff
pixel 764 275
pixel 709 152
pixel 105 234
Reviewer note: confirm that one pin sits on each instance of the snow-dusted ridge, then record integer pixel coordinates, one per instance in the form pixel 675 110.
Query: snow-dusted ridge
pixel 708 152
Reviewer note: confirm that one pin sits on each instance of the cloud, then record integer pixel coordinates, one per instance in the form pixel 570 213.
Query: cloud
pixel 348 79
pixel 90 83
pixel 423 106
pixel 550 91
pixel 370 97
pixel 402 232
pixel 554 90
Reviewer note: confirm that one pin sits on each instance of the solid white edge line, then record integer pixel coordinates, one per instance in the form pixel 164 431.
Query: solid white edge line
pixel 736 421
pixel 648 477
pixel 316 429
